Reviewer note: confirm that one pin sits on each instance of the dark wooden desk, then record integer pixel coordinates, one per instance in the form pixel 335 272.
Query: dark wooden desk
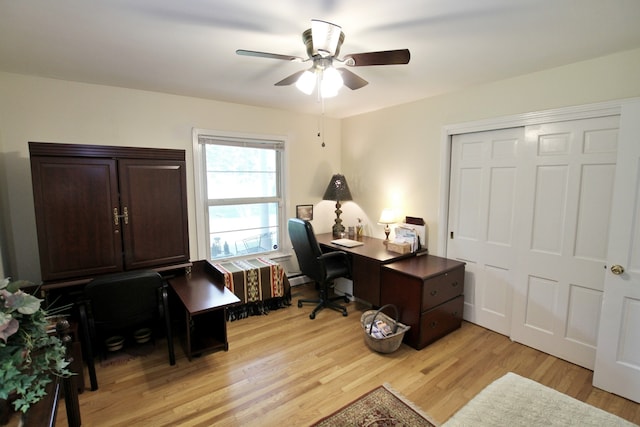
pixel 204 303
pixel 366 261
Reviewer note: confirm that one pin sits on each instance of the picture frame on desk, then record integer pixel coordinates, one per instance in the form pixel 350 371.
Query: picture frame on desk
pixel 304 212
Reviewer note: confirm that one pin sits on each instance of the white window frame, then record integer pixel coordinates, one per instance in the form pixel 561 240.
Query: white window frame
pixel 202 223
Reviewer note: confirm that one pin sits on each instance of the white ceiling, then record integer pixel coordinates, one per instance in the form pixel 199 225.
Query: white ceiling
pixel 188 47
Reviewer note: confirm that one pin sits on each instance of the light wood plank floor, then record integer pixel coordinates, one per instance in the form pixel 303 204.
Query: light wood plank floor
pixel 285 369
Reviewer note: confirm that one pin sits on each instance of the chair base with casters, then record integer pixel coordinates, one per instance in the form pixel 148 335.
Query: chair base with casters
pixel 324 301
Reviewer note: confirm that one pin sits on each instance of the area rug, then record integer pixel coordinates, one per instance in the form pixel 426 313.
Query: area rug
pixel 380 407
pixel 515 401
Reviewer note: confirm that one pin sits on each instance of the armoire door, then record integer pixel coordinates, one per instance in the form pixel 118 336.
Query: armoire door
pixel 154 212
pixel 77 234
pixel 532 228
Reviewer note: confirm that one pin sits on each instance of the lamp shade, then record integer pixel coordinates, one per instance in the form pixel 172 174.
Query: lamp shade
pixel 306 82
pixel 329 80
pixel 331 83
pixel 388 216
pixel 338 189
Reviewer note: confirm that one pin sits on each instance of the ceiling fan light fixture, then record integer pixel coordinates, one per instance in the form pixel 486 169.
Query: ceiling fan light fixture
pixel 306 82
pixel 323 42
pixel 331 82
pixel 326 37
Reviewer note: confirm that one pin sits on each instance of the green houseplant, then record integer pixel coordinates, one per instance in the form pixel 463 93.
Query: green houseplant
pixel 29 356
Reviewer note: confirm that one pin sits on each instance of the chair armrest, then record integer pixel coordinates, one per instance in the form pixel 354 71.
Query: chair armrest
pixel 333 254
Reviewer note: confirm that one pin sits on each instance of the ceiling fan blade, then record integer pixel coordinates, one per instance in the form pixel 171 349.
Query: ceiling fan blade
pixel 386 57
pixel 291 79
pixel 352 80
pixel 269 55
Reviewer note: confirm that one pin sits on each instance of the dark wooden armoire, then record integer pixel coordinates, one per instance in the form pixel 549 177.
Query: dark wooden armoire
pixel 106 209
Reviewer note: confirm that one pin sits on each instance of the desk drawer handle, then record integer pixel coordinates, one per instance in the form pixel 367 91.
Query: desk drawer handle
pixel 433 324
pixel 454 284
pixel 434 292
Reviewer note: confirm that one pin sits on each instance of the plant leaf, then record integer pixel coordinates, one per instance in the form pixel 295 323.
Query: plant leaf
pixel 9 328
pixel 26 304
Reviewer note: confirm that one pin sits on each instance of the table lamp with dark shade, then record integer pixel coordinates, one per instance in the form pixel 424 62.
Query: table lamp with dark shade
pixel 337 190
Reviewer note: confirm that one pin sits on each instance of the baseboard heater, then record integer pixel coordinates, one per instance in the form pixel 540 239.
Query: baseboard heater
pixel 298 279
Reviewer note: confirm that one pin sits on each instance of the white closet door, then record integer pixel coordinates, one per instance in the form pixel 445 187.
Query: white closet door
pixel 564 208
pixel 482 208
pixel 618 356
pixel 529 213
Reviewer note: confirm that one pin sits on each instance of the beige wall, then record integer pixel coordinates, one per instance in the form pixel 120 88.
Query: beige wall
pixel 46 110
pixel 392 157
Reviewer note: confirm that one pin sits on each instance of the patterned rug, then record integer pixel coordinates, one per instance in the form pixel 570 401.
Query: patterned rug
pixel 380 407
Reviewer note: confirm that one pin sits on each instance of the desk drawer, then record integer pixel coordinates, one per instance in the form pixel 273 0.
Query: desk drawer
pixel 442 288
pixel 438 322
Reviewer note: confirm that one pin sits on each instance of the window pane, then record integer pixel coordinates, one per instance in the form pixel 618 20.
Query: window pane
pixel 243 190
pixel 240 172
pixel 243 229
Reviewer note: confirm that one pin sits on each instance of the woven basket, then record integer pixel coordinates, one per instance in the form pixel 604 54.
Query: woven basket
pixel 390 343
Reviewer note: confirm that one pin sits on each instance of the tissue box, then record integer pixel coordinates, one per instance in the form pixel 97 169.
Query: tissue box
pixel 401 248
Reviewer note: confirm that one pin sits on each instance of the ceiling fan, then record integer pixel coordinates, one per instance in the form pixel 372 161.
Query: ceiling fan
pixel 323 41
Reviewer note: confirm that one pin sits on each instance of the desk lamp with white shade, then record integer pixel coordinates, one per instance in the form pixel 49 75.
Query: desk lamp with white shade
pixel 388 216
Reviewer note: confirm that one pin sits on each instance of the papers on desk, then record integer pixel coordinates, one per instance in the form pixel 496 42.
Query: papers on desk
pixel 407 234
pixel 347 243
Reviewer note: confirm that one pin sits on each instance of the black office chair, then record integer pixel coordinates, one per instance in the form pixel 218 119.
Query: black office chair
pixel 119 304
pixel 323 268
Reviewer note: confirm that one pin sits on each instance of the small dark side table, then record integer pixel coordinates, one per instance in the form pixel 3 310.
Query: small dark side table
pixel 204 301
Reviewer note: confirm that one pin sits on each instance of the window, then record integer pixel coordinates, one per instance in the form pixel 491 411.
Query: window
pixel 239 181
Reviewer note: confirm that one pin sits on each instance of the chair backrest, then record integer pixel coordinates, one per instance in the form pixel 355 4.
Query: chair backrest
pixel 307 249
pixel 124 299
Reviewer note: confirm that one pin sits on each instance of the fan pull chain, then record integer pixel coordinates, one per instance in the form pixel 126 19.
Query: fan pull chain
pixel 321 131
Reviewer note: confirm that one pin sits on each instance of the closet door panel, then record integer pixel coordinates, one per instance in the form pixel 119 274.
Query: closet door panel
pixel 564 212
pixel 482 221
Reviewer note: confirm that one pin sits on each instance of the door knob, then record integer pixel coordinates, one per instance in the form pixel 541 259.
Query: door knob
pixel 617 269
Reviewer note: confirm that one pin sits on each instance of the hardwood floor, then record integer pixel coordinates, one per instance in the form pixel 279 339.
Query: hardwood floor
pixel 285 369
